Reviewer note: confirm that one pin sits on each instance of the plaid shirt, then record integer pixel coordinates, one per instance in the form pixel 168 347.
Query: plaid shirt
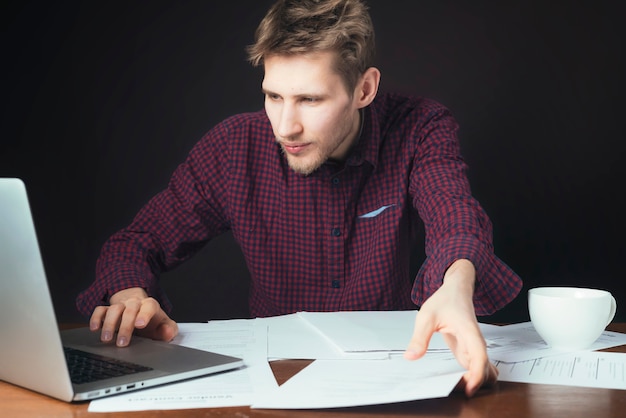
pixel 338 239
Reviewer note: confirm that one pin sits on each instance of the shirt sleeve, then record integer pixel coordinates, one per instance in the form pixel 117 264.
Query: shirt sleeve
pixel 168 230
pixel 456 225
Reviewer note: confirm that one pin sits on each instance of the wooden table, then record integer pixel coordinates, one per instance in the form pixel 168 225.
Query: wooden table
pixel 504 400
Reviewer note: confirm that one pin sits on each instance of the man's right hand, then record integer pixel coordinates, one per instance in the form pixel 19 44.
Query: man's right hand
pixel 129 310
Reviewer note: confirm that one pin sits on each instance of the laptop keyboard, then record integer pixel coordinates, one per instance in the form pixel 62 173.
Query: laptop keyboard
pixel 87 367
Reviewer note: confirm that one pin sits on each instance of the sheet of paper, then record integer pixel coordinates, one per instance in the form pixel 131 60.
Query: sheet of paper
pixel 520 342
pixel 291 337
pixel 369 331
pixel 587 369
pixel 241 338
pixel 339 383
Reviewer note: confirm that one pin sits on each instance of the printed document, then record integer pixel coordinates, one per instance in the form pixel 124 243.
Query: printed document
pixel 586 369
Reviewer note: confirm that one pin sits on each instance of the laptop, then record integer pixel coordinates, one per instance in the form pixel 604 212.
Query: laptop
pixel 34 354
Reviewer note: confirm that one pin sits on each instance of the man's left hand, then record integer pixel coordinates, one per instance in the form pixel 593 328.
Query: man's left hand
pixel 450 311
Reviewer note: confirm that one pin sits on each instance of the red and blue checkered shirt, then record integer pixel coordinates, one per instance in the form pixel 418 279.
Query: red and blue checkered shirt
pixel 338 239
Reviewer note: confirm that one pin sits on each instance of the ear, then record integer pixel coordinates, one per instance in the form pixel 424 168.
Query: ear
pixel 367 87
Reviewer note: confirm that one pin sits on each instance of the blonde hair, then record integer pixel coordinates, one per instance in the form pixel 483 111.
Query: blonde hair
pixel 304 26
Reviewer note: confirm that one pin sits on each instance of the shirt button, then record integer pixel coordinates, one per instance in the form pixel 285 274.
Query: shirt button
pixel 336 284
pixel 336 232
pixel 335 181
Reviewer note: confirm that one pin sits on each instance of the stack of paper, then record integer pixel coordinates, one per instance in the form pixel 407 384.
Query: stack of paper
pixel 358 362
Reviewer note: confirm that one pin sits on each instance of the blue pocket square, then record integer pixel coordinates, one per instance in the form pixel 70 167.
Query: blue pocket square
pixel 376 212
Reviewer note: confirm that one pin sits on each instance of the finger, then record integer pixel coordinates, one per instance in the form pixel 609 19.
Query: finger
pixel 479 370
pixel 161 327
pixel 127 323
pixel 111 322
pixel 150 309
pixel 492 377
pixel 422 332
pixel 168 330
pixel 97 318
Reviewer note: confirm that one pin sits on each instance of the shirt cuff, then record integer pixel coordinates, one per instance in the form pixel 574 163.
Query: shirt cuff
pixel 496 283
pixel 112 282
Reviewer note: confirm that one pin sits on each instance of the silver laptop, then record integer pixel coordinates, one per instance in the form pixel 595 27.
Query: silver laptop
pixel 35 355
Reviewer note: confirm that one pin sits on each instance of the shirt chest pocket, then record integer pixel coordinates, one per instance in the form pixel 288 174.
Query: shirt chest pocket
pixel 369 214
pixel 374 222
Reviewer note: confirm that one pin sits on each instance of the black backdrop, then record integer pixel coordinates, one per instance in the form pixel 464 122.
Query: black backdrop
pixel 101 101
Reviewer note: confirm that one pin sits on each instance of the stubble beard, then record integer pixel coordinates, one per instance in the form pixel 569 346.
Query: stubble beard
pixel 314 158
pixel 305 166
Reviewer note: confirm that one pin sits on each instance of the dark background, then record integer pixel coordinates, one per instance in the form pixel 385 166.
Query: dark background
pixel 101 101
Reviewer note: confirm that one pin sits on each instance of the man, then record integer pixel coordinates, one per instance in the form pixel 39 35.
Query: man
pixel 322 190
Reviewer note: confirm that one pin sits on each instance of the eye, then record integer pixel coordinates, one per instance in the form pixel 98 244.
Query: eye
pixel 272 96
pixel 311 100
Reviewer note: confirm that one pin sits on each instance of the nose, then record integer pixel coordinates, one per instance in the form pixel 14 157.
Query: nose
pixel 289 124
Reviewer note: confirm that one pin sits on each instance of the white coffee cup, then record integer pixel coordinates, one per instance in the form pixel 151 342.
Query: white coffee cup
pixel 570 318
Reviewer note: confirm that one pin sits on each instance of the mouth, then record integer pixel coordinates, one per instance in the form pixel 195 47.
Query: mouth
pixel 295 149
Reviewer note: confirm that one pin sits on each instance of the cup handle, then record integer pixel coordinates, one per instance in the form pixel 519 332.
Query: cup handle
pixel 613 309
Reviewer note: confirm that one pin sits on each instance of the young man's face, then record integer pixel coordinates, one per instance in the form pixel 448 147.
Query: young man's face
pixel 312 115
